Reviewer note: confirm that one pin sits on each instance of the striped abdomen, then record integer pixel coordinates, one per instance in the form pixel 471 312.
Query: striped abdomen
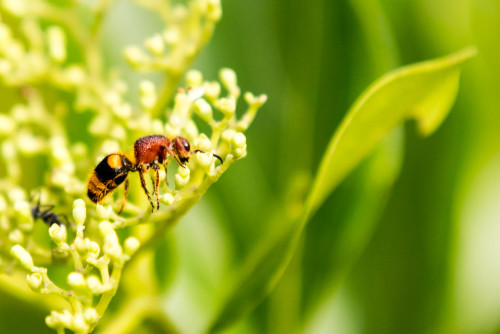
pixel 109 174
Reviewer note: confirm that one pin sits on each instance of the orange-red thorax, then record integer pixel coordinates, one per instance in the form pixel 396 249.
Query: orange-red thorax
pixel 150 148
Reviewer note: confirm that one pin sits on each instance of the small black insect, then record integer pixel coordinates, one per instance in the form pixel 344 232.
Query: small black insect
pixel 48 217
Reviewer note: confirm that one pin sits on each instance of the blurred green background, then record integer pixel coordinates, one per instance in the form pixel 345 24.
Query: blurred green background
pixel 430 263
pixel 421 257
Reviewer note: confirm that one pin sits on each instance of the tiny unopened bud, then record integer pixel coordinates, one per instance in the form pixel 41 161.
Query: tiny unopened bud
pixel 239 145
pixel 3 204
pixel 203 110
pixel 167 198
pixel 194 78
pixel 22 210
pixel 131 246
pixel 35 281
pixel 8 125
pixel 155 44
pixel 106 228
pixel 79 324
pixel 93 250
pixel 79 211
pixel 147 94
pixel 77 281
pixel 227 106
pixel 16 236
pixel 212 90
pixel 112 247
pixel 204 160
pixel 134 55
pixel 21 255
pixel 104 212
pixel 58 234
pixel 57 44
pixel 90 315
pixel 95 285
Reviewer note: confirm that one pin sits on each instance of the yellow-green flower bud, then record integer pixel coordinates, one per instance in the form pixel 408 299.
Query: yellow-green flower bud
pixel 134 55
pixel 77 281
pixel 147 94
pixel 22 256
pixel 182 177
pixel 203 110
pixel 16 236
pixel 112 247
pixel 155 44
pixel 90 315
pixel 74 75
pixel 214 10
pixel 24 216
pixel 79 324
pixel 35 281
pixel 227 106
pixel 93 250
pixel 94 284
pixel 3 204
pixel 172 36
pixel 58 234
pixel 239 145
pixel 203 143
pixel 204 160
pixel 104 211
pixel 8 125
pixel 167 198
pixel 194 78
pixel 131 246
pixel 212 90
pixel 57 44
pixel 79 211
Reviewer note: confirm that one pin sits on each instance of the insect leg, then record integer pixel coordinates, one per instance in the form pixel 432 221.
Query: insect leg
pixel 143 184
pixel 125 193
pixel 156 167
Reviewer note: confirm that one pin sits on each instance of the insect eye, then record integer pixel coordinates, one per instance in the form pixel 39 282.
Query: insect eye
pixel 185 143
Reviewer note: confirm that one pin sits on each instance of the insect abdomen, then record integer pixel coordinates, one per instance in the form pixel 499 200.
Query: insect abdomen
pixel 109 174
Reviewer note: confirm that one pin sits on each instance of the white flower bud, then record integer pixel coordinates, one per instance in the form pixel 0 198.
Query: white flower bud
pixel 131 246
pixel 8 125
pixel 203 143
pixel 79 324
pixel 239 145
pixel 194 78
pixel 104 212
pixel 112 247
pixel 35 281
pixel 228 77
pixel 16 236
pixel 172 36
pixel 81 245
pixel 167 198
pixel 22 210
pixel 181 181
pixel 227 106
pixel 21 255
pixel 106 228
pixel 79 211
pixel 95 285
pixel 134 55
pixel 93 250
pixel 74 75
pixel 212 90
pixel 204 160
pixel 57 44
pixel 147 94
pixel 214 10
pixel 90 315
pixel 203 110
pixel 77 281
pixel 58 234
pixel 155 44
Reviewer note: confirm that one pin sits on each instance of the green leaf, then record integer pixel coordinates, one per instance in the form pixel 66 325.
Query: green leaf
pixel 424 92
